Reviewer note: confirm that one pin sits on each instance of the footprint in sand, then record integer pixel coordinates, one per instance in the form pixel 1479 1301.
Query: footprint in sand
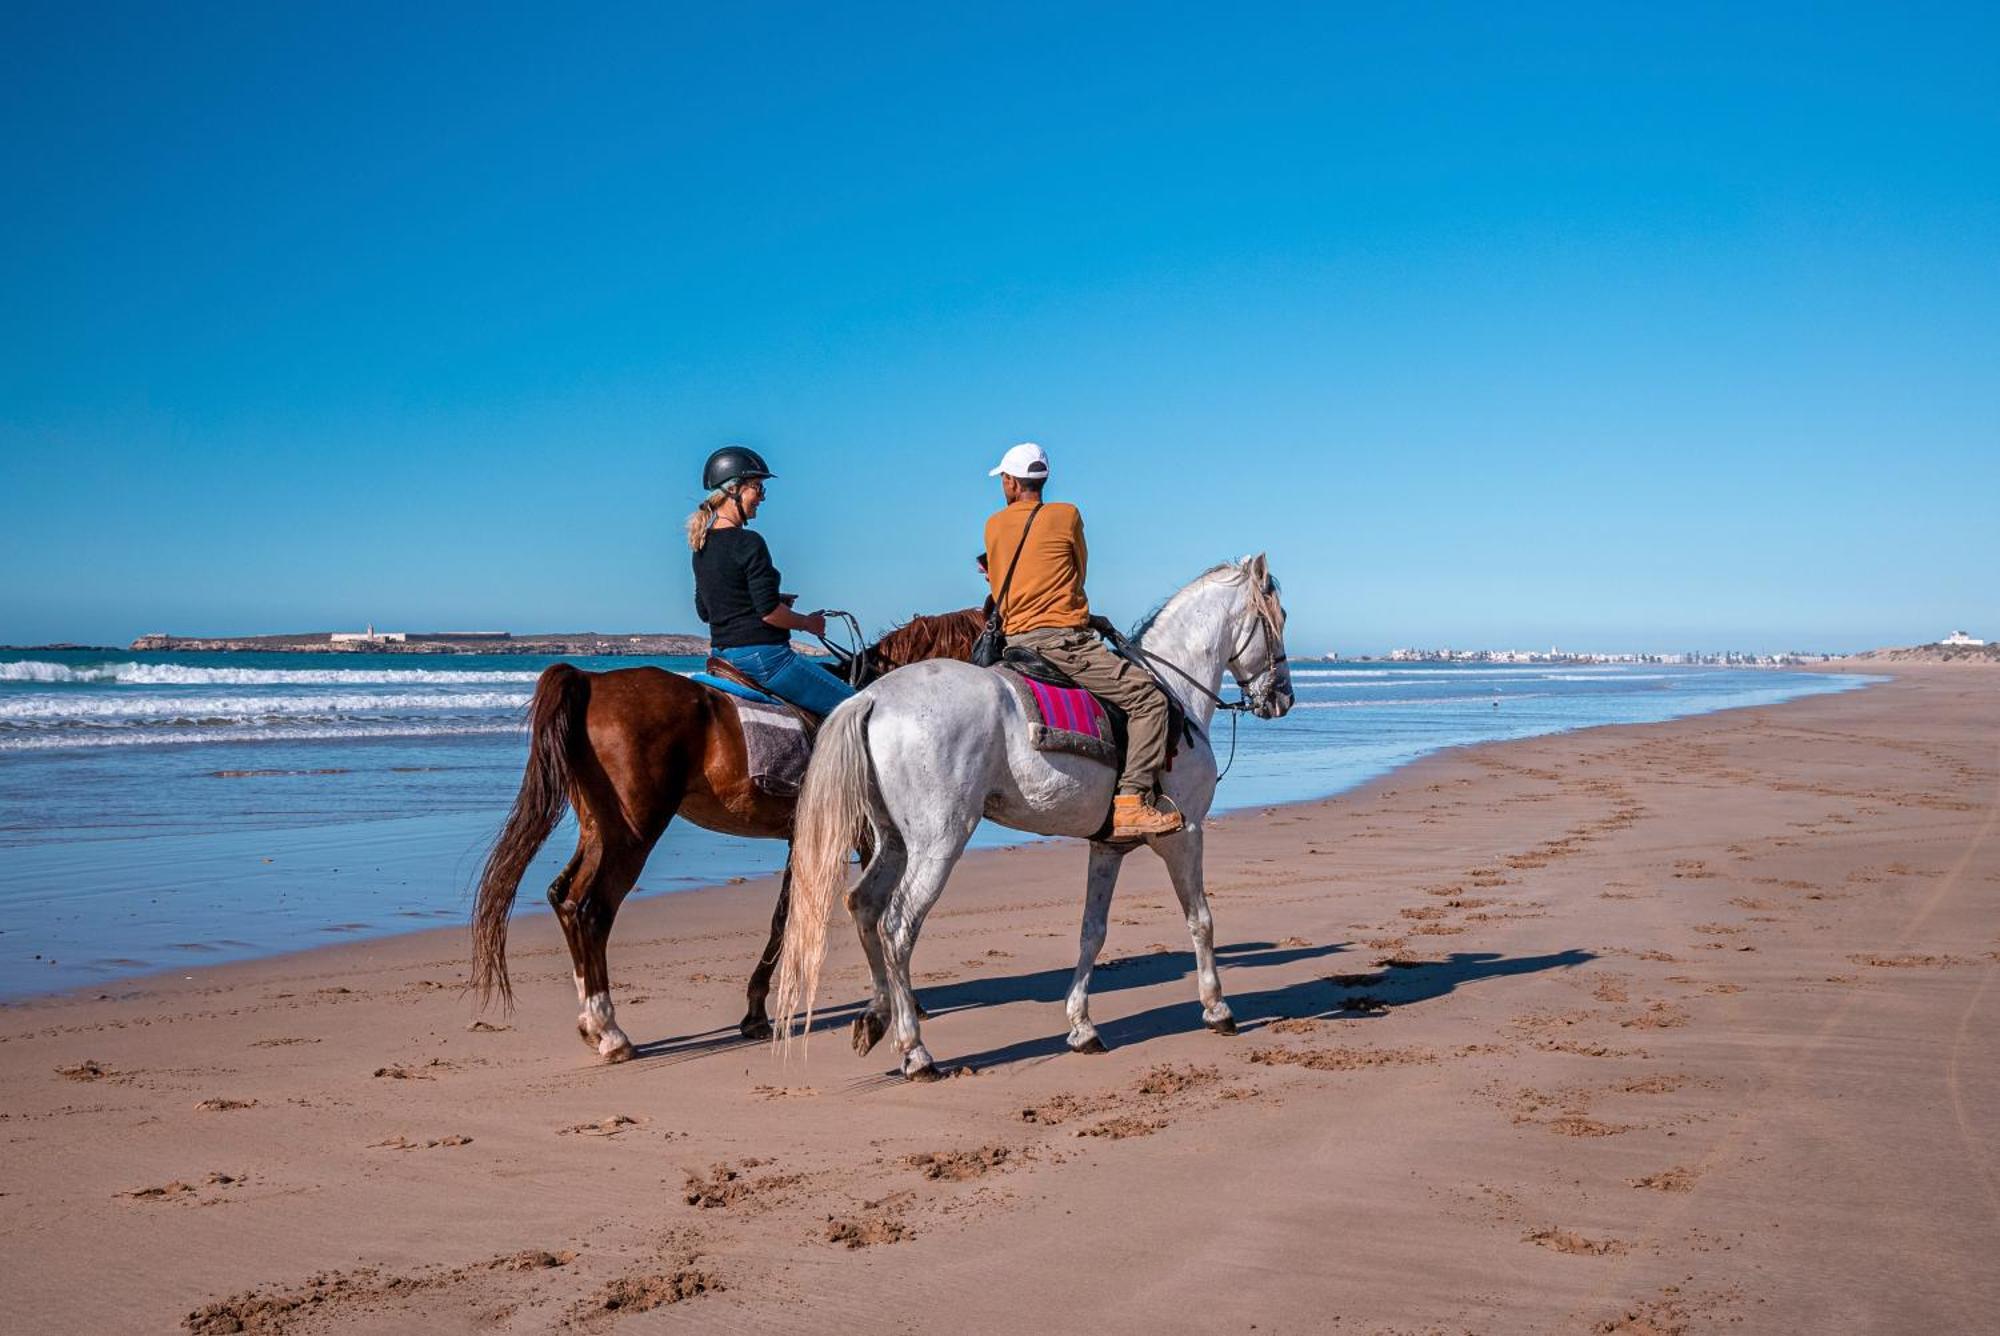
pixel 404 1143
pixel 644 1292
pixel 1568 1241
pixel 427 1072
pixel 1658 1016
pixel 866 1231
pixel 957 1166
pixel 88 1070
pixel 1676 1179
pixel 615 1125
pixel 1123 1127
pixel 177 1190
pixel 727 1185
pixel 1340 1059
pixel 877 1222
pixel 162 1192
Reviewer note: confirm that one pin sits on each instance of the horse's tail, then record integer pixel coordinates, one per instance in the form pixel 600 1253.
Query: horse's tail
pixel 832 817
pixel 555 722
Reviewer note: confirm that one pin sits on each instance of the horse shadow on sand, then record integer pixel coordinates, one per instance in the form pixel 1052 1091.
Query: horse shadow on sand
pixel 1362 996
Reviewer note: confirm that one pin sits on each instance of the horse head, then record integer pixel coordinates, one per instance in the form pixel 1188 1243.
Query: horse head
pixel 1259 663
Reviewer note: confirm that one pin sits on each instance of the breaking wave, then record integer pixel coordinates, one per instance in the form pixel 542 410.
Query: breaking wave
pixel 49 708
pixel 181 675
pixel 246 731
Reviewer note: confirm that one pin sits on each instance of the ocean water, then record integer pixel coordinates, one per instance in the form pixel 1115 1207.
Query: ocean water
pixel 159 811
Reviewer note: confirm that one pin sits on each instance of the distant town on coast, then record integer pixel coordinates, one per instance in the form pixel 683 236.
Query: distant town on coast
pixel 1956 647
pixel 1721 658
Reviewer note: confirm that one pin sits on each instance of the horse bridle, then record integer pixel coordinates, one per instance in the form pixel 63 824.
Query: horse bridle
pixel 1233 708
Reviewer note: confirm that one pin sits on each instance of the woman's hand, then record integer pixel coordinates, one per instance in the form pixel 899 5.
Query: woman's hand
pixel 785 619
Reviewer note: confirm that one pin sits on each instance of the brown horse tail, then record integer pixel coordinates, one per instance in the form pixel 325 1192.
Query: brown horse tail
pixel 555 719
pixel 832 817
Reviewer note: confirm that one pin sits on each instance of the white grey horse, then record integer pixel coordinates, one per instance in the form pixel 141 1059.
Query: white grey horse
pixel 909 766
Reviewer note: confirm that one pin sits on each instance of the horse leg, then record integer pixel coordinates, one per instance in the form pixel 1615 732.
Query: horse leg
pixel 915 893
pixel 1105 860
pixel 595 894
pixel 756 1023
pixel 1182 853
pixel 871 897
pixel 586 855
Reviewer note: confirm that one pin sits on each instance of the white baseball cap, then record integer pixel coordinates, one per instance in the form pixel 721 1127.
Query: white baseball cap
pixel 1026 460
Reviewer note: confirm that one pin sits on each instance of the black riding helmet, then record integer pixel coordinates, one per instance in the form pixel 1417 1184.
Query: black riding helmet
pixel 733 463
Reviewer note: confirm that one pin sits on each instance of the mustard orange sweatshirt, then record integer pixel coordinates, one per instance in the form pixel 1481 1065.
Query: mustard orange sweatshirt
pixel 1048 592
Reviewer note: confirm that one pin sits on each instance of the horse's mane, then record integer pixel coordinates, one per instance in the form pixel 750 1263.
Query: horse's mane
pixel 1145 624
pixel 1265 601
pixel 943 635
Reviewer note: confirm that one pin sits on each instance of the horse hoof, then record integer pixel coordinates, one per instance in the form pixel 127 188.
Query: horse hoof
pixel 1227 1025
pixel 1090 1045
pixel 755 1027
pixel 623 1053
pixel 868 1031
pixel 925 1073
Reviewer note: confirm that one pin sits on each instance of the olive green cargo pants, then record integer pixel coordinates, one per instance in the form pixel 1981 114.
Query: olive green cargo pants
pixel 1097 670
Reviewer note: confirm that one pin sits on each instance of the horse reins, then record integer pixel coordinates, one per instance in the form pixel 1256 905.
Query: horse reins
pixel 857 659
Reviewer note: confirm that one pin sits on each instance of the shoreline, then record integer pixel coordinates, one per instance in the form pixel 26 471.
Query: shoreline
pixel 530 904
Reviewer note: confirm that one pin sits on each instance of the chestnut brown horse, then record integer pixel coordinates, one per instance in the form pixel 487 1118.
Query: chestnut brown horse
pixel 628 750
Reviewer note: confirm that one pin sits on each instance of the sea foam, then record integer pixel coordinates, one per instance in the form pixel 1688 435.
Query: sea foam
pixel 177 675
pixel 50 707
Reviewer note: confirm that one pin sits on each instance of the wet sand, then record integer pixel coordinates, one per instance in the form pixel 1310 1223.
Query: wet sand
pixel 1682 1027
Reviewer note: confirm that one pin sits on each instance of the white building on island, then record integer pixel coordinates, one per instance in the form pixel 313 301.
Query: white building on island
pixel 369 637
pixel 1960 638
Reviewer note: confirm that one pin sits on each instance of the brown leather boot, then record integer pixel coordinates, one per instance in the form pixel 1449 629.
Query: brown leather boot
pixel 1132 817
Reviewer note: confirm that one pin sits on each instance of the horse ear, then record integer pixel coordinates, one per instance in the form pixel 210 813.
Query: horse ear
pixel 1257 568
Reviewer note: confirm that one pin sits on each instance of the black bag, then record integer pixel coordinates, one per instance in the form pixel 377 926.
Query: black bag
pixel 992 642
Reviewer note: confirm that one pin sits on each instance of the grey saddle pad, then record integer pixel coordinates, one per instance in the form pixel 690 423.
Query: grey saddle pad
pixel 777 746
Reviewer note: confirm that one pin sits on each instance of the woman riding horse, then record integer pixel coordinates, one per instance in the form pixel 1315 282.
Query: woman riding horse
pixel 736 587
pixel 630 749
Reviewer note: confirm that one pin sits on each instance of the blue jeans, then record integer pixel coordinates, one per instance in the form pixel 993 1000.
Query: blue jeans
pixel 784 673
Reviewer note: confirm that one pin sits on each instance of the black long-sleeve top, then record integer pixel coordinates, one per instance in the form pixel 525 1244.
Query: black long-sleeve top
pixel 735 587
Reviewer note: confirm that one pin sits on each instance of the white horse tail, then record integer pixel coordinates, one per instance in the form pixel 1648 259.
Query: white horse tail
pixel 832 819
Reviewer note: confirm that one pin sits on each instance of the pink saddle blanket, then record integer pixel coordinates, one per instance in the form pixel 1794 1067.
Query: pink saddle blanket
pixel 1071 709
pixel 1064 719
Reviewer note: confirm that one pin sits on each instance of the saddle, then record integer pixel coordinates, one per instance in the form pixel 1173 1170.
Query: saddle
pixel 728 672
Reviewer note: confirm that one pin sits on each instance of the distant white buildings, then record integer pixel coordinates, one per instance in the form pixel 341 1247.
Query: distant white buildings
pixel 1960 638
pixel 369 637
pixel 1554 655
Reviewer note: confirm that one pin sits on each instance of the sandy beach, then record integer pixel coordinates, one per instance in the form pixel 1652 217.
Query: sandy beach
pixel 1673 1028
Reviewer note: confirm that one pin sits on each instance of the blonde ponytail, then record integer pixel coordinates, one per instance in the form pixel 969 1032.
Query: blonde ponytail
pixel 703 518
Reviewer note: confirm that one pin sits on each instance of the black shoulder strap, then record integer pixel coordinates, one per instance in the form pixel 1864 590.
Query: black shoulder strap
pixel 1000 599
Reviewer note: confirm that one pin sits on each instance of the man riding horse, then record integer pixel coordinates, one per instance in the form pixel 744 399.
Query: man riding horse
pixel 1036 561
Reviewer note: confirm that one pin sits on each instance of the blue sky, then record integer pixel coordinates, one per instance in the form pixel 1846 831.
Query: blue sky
pixel 1608 326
